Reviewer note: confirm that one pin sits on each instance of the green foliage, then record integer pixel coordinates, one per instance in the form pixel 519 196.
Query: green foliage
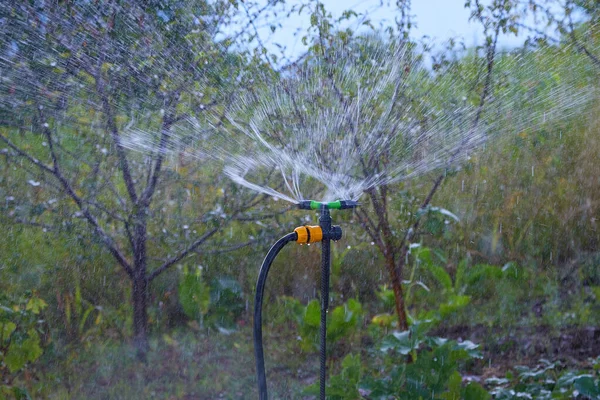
pixel 528 209
pixel 83 320
pixel 433 372
pixel 342 322
pixel 345 385
pixel 387 319
pixel 194 295
pixel 226 302
pixel 548 380
pixel 21 344
pixel 220 305
pixel 451 296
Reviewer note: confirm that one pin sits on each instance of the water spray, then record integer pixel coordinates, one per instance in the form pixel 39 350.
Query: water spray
pixel 325 232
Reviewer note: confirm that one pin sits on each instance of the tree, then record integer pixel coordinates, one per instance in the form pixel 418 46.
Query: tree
pixel 574 21
pixel 359 114
pixel 77 77
pixel 413 104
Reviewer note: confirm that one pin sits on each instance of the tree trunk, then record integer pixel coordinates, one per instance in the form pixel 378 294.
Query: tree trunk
pixel 396 280
pixel 139 294
pixel 139 298
pixel 388 246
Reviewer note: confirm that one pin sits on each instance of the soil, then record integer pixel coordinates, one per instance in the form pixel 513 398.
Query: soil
pixel 573 346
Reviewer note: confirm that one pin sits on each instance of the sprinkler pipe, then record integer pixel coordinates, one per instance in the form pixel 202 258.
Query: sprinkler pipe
pixel 325 232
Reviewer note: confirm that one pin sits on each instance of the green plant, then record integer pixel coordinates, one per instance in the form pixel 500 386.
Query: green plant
pixel 452 291
pixel 21 332
pixel 385 320
pixel 341 322
pixel 547 380
pixel 407 365
pixel 78 315
pixel 220 305
pixel 432 372
pixel 194 294
pixel 345 385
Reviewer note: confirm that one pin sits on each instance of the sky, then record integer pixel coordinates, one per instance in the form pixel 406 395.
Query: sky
pixel 437 19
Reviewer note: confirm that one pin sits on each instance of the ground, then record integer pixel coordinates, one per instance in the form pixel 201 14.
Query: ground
pixel 199 364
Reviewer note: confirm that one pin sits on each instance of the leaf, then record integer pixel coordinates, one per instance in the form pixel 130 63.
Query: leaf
pixel 401 342
pixel 194 295
pixel 312 316
pixel 471 348
pixel 32 348
pixel 36 305
pixel 6 309
pixel 351 368
pixel 343 320
pixel 441 276
pixel 7 329
pixel 84 318
pixel 587 387
pixel 454 387
pixel 455 303
pixel 460 274
pixel 568 378
pixel 474 391
pixel 387 297
pixel 15 358
pixel 384 320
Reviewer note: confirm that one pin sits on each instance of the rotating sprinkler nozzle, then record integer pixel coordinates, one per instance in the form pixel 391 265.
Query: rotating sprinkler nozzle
pixel 332 205
pixel 325 232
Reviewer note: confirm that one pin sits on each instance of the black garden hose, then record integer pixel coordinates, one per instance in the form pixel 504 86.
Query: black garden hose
pixel 260 291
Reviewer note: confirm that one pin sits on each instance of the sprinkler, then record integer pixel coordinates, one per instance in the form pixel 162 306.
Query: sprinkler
pixel 325 232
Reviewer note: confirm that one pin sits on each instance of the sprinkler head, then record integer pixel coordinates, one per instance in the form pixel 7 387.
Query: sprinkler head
pixel 332 205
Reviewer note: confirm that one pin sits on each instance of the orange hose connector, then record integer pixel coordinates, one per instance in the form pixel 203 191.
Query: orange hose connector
pixel 309 234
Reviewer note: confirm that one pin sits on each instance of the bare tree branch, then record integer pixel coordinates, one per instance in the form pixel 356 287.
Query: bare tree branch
pixel 114 133
pixel 580 45
pixel 181 255
pixel 153 178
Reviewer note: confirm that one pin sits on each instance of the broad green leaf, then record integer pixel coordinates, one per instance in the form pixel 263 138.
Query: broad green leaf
pixel 587 387
pixel 312 316
pixel 15 358
pixel 194 295
pixel 568 378
pixel 7 329
pixel 36 305
pixel 402 342
pixel 441 276
pixel 383 319
pixel 454 304
pixel 471 348
pixel 32 348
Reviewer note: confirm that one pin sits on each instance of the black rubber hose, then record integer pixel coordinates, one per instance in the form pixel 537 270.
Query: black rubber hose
pixel 261 376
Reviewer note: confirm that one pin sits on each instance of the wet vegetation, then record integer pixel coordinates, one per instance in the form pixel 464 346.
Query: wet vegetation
pixel 129 272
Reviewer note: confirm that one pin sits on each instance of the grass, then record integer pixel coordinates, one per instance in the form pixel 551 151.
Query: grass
pixel 190 363
pixel 184 365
